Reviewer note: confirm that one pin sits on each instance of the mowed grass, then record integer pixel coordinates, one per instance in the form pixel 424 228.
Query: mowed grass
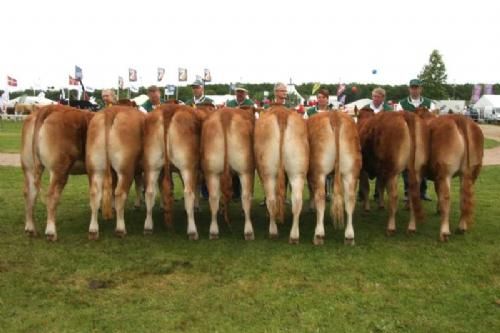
pixel 165 283
pixel 10 136
pixel 490 143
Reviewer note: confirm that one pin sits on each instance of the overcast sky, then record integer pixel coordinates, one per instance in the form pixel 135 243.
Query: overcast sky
pixel 248 41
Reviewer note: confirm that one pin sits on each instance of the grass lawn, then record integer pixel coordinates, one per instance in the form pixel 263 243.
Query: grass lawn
pixel 490 143
pixel 10 136
pixel 164 282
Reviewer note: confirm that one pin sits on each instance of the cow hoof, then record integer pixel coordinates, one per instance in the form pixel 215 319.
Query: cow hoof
pixel 93 235
pixel 51 237
pixel 293 241
pixel 381 207
pixel 249 236
pixel 349 241
pixel 273 236
pixel 31 233
pixel 411 232
pixel 213 236
pixel 444 237
pixel 193 236
pixel 390 232
pixel 460 231
pixel 148 232
pixel 318 240
pixel 120 233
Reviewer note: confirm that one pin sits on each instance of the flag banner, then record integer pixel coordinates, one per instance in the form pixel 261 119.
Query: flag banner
pixel 342 100
pixel 134 89
pixel 89 89
pixel 78 73
pixel 120 82
pixel 207 77
pixel 315 88
pixel 161 73
pixel 11 81
pixel 72 81
pixel 476 93
pixel 340 89
pixel 488 89
pixel 183 74
pixel 169 89
pixel 132 75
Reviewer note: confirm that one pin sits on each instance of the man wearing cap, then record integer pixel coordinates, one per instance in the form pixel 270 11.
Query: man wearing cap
pixel 199 97
pixel 415 100
pixel 378 101
pixel 411 103
pixel 241 98
pixel 322 103
pixel 154 99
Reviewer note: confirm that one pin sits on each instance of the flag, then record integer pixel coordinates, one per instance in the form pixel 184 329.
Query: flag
pixel 342 100
pixel 207 77
pixel 183 74
pixel 315 88
pixel 161 73
pixel 488 89
pixel 78 73
pixel 120 82
pixel 89 89
pixel 169 89
pixel 134 89
pixel 11 81
pixel 72 81
pixel 476 93
pixel 132 75
pixel 340 89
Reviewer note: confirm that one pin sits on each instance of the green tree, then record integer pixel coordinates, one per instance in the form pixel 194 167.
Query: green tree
pixel 434 77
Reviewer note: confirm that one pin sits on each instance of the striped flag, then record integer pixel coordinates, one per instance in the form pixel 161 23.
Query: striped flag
pixel 11 81
pixel 72 81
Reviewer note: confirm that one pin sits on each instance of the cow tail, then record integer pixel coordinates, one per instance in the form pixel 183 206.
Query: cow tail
pixel 107 194
pixel 281 186
pixel 167 195
pixel 226 179
pixel 467 188
pixel 337 207
pixel 414 186
pixel 37 164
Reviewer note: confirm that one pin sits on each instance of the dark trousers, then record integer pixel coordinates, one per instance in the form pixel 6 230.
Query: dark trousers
pixel 423 184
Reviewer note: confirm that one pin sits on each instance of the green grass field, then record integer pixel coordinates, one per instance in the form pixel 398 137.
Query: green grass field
pixel 166 283
pixel 490 143
pixel 10 136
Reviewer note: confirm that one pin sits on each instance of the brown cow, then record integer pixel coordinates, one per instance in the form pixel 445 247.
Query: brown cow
pixel 392 142
pixel 114 144
pixel 227 145
pixel 456 149
pixel 281 146
pixel 53 138
pixel 172 141
pixel 334 146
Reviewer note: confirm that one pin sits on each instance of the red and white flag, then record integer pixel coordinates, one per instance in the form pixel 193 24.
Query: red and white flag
pixel 72 81
pixel 11 81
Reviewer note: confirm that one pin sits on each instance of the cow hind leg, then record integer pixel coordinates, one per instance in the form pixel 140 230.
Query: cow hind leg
pixel 444 207
pixel 364 189
pixel 151 177
pixel 319 202
pixel 121 193
pixel 139 190
pixel 466 203
pixel 392 193
pixel 190 182
pixel 270 191
pixel 297 184
pixel 31 190
pixel 56 186
pixel 96 184
pixel 213 185
pixel 246 180
pixel 380 190
pixel 349 183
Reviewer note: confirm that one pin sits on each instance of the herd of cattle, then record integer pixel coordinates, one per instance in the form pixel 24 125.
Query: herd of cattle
pixel 121 144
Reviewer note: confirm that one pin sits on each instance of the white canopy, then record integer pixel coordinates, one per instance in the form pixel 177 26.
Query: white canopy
pixel 492 101
pixel 40 100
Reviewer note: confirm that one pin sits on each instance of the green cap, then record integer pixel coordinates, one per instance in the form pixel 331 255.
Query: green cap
pixel 415 83
pixel 197 83
pixel 240 87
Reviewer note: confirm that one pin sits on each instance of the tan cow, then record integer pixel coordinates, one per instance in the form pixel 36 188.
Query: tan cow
pixel 390 143
pixel 53 138
pixel 334 148
pixel 114 146
pixel 226 146
pixel 172 142
pixel 281 146
pixel 456 149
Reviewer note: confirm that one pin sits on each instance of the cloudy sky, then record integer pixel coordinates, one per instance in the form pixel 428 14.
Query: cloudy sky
pixel 248 41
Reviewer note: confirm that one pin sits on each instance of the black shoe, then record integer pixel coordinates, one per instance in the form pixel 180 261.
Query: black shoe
pixel 425 197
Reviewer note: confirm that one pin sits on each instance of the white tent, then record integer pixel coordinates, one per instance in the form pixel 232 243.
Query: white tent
pixel 40 100
pixel 455 106
pixel 488 107
pixel 360 103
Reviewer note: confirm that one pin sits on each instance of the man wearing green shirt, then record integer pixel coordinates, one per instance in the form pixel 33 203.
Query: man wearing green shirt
pixel 280 96
pixel 241 98
pixel 154 99
pixel 378 101
pixel 199 97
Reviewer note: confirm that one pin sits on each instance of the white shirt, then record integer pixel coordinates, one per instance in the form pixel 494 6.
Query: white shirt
pixel 416 103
